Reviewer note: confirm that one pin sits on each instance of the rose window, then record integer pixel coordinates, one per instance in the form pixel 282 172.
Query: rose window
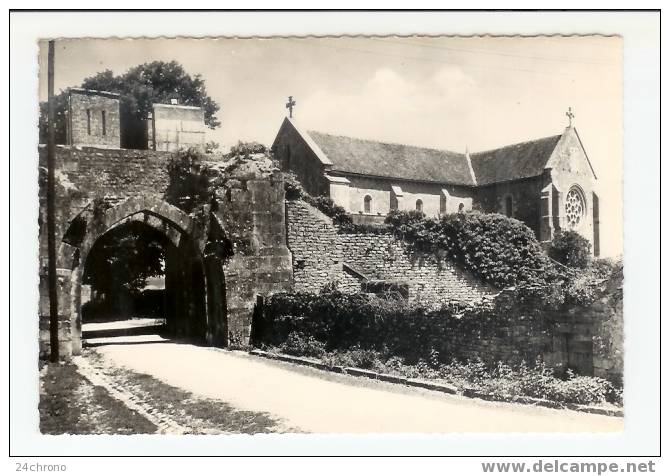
pixel 574 207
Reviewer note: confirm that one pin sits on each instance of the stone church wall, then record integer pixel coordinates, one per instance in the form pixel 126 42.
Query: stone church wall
pixel 525 200
pixel 571 169
pixel 379 190
pixel 295 156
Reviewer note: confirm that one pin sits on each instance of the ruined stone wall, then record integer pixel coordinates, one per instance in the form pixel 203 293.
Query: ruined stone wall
pixel 316 248
pixel 252 215
pixel 83 174
pixel 430 281
pixel 94 119
pixel 250 211
pixel 319 253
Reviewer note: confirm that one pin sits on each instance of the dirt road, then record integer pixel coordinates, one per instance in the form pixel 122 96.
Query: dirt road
pixel 321 402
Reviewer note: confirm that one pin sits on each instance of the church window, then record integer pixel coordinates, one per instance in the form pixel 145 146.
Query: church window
pixel 88 121
pixel 461 207
pixel 508 206
pixel 394 201
pixel 367 204
pixel 575 207
pixel 443 204
pixel 104 123
pixel 419 205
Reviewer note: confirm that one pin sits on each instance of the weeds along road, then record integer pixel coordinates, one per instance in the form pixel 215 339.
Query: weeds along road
pixel 303 399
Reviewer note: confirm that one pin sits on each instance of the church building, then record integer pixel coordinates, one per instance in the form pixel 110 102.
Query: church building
pixel 547 183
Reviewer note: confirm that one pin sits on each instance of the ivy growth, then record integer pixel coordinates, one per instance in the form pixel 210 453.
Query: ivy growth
pixel 188 185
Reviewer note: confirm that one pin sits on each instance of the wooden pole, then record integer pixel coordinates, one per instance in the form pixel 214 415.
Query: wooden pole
pixel 51 215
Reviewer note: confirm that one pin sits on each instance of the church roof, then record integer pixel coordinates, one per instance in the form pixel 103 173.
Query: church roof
pixel 380 159
pixel 513 162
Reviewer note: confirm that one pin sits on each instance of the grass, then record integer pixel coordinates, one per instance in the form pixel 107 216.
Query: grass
pixel 70 404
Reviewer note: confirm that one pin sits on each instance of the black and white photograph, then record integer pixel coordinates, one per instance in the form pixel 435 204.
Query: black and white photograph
pixel 356 234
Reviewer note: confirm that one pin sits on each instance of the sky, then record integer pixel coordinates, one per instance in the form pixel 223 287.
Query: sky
pixel 444 92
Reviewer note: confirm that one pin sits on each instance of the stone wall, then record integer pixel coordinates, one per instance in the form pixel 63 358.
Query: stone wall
pixel 315 246
pixel 131 183
pixel 94 119
pixel 295 156
pixel 525 196
pixel 319 253
pixel 175 127
pixel 252 216
pixel 436 198
pixel 430 281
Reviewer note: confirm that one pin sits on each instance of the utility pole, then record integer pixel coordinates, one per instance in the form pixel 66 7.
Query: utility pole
pixel 51 215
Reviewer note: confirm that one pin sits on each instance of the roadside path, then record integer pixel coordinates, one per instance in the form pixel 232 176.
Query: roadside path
pixel 321 402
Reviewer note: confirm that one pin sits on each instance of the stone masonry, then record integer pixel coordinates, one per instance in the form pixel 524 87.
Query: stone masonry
pixel 98 188
pixel 93 119
pixel 321 256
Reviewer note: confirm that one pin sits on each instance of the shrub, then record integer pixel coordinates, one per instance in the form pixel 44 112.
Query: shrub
pixel 364 358
pixel 328 207
pixel 301 345
pixel 502 251
pixel 571 249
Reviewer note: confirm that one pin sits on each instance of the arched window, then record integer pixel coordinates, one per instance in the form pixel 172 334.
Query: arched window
pixel 575 207
pixel 461 207
pixel 508 205
pixel 419 205
pixel 443 204
pixel 367 204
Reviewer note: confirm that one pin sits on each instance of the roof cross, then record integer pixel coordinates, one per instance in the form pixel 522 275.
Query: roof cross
pixel 570 115
pixel 289 106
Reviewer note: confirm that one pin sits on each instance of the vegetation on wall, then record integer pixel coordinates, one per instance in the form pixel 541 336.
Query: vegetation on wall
pixel 402 338
pixel 188 184
pixel 571 249
pixel 499 250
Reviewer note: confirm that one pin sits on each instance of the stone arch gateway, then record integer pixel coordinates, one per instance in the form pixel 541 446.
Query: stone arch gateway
pixel 189 282
pixel 222 257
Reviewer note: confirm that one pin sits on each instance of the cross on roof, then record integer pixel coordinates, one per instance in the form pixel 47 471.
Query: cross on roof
pixel 570 115
pixel 289 106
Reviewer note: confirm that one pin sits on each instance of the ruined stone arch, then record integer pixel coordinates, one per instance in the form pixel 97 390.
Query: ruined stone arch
pixel 199 301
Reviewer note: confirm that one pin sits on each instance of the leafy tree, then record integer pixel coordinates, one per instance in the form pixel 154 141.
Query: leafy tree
pixel 121 261
pixel 188 184
pixel 141 87
pixel 571 249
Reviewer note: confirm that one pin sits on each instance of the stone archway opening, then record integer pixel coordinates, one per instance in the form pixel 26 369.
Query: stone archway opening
pixel 145 259
pixel 123 290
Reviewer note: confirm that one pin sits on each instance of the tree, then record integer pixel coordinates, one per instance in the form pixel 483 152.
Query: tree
pixel 121 261
pixel 571 249
pixel 188 184
pixel 141 87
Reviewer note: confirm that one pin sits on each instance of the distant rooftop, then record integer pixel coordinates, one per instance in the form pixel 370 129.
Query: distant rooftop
pixel 93 92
